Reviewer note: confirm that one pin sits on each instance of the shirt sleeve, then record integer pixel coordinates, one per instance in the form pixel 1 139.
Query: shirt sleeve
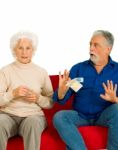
pixel 65 99
pixel 5 95
pixel 45 98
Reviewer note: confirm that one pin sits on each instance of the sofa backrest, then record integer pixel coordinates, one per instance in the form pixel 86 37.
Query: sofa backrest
pixel 57 107
pixel 55 81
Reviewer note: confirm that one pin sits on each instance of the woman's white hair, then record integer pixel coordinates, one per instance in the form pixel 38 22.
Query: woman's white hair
pixel 23 34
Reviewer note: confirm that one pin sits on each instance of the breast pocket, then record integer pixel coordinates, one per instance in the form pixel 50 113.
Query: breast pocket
pixel 88 82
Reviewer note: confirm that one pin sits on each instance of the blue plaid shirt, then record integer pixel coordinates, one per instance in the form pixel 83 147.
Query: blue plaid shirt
pixel 87 101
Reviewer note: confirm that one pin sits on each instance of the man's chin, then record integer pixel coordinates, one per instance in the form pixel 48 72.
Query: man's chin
pixel 94 61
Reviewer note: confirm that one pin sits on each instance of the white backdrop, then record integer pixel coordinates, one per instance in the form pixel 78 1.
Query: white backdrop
pixel 64 28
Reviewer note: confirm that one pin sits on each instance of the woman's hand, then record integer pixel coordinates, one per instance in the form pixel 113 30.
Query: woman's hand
pixel 31 97
pixel 25 93
pixel 21 91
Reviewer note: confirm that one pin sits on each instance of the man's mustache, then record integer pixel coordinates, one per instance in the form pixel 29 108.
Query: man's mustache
pixel 93 53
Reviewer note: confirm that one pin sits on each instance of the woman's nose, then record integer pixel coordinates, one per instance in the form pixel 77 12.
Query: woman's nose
pixel 24 51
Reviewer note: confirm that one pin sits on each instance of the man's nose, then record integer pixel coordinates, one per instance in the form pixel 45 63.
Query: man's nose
pixel 92 47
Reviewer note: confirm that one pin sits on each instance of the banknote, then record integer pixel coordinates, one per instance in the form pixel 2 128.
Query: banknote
pixel 75 84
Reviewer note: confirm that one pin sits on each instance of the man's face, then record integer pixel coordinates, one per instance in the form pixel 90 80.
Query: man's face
pixel 99 49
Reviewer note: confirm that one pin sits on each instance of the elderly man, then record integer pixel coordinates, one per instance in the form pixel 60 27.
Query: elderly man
pixel 94 84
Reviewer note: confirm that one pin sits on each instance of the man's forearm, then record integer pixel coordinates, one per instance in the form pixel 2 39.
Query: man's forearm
pixel 61 94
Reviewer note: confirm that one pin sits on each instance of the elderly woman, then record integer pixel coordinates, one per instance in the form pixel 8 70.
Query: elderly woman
pixel 25 89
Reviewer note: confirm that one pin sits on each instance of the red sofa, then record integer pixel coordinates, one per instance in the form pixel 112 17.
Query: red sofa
pixel 95 137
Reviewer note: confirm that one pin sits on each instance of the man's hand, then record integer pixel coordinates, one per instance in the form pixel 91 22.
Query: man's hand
pixel 63 88
pixel 110 92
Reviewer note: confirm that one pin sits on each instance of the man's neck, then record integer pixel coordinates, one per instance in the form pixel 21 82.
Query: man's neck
pixel 99 67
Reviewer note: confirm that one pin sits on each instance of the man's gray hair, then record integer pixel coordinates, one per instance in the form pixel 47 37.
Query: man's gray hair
pixel 107 35
pixel 23 34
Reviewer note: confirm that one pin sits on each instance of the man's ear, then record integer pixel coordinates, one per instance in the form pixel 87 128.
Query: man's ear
pixel 109 50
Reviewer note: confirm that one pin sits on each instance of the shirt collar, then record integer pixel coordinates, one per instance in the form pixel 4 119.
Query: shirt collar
pixel 110 62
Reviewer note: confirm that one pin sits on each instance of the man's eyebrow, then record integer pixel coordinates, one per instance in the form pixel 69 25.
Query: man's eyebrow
pixel 92 42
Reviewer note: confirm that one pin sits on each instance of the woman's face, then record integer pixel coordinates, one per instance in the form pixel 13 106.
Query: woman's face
pixel 24 51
